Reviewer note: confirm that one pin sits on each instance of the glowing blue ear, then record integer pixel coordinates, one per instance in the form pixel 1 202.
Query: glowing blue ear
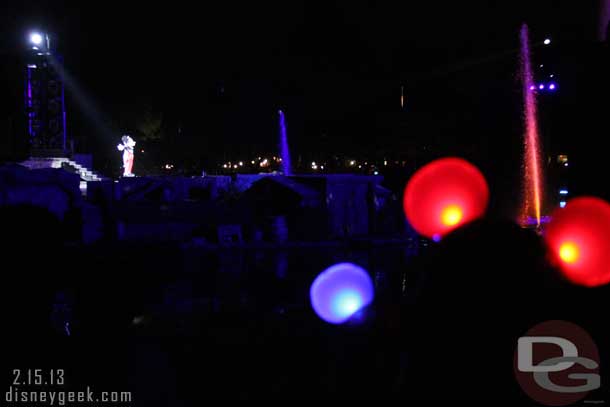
pixel 341 291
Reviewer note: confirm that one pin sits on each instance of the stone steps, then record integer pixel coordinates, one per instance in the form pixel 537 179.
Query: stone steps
pixel 59 162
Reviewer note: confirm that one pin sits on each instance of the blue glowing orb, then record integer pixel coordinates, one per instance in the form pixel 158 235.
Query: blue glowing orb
pixel 341 291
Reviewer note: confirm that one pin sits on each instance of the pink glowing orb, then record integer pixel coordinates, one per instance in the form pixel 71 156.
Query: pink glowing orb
pixel 444 195
pixel 578 241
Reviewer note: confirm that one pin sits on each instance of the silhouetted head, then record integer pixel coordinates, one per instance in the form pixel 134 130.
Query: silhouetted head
pixel 31 243
pixel 476 292
pixel 486 262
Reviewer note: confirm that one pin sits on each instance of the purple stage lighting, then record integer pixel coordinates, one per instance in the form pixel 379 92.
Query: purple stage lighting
pixel 341 291
pixel 552 86
pixel 532 87
pixel 541 86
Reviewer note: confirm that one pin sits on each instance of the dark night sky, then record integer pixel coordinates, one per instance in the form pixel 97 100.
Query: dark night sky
pixel 335 67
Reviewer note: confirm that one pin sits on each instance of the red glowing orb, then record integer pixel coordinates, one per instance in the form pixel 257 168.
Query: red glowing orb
pixel 578 240
pixel 444 195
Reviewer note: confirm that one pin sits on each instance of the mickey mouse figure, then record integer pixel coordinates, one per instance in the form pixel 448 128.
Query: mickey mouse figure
pixel 126 146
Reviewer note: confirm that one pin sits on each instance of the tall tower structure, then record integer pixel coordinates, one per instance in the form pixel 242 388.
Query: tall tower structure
pixel 44 101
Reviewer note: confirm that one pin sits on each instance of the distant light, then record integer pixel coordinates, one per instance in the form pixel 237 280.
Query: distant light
pixel 541 86
pixel 36 38
pixel 32 66
pixel 541 65
pixel 224 166
pixel 385 162
pixel 321 167
pixel 562 204
pixel 352 162
pixel 241 163
pixel 565 164
pixel 532 87
pixel 252 162
pixel 551 76
pixel 547 41
pixel 376 173
pixel 563 192
pixel 340 291
pixel 552 86
pixel 235 166
pixel 569 252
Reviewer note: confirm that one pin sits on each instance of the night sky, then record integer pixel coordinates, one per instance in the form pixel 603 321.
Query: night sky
pixel 218 71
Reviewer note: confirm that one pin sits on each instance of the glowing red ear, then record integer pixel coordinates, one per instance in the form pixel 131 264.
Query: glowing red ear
pixel 578 241
pixel 444 195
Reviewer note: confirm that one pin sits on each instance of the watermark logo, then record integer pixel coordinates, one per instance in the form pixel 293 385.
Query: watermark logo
pixel 557 363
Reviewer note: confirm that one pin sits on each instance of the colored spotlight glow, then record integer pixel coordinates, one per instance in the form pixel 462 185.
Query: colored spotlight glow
pixel 443 195
pixel 578 241
pixel 552 86
pixel 541 86
pixel 532 87
pixel 568 252
pixel 341 291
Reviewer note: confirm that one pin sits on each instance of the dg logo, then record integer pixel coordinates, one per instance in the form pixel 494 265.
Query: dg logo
pixel 557 363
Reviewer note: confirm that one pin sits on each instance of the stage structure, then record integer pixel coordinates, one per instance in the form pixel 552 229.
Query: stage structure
pixel 44 101
pixel 45 113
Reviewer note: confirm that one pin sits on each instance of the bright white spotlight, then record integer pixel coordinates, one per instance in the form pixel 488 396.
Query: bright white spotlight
pixel 547 41
pixel 36 38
